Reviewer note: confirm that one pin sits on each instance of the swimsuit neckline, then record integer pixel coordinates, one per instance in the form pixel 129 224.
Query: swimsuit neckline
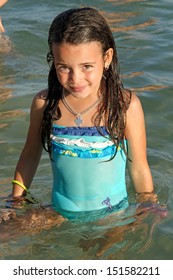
pixel 77 127
pixel 75 130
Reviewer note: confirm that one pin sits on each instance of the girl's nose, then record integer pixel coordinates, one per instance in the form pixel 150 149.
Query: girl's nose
pixel 75 76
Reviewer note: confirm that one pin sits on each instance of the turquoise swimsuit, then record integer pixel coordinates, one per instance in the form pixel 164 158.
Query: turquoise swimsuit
pixel 83 177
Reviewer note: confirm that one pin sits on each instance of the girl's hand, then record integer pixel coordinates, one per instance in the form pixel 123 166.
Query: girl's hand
pixel 149 202
pixel 20 201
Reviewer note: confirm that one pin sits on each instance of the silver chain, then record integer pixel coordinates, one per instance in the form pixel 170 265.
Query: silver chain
pixel 78 119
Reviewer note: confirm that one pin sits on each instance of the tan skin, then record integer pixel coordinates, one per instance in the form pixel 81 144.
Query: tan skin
pixel 138 167
pixel 79 70
pixel 2 2
pixel 73 70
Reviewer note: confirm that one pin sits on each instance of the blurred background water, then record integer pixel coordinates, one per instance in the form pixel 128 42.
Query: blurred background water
pixel 143 34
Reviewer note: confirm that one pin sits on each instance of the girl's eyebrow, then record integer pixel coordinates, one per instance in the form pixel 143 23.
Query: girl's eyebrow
pixel 83 63
pixel 60 63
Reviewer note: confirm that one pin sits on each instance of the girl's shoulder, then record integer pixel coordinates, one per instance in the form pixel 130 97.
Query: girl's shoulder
pixel 127 98
pixel 134 102
pixel 40 99
pixel 135 110
pixel 42 95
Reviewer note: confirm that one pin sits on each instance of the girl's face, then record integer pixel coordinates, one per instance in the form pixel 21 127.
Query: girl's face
pixel 80 67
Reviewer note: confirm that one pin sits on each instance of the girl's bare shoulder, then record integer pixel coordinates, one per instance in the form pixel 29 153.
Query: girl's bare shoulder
pixel 40 99
pixel 135 103
pixel 42 94
pixel 135 115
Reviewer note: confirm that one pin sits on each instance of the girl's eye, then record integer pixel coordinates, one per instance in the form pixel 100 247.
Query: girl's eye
pixel 63 69
pixel 87 67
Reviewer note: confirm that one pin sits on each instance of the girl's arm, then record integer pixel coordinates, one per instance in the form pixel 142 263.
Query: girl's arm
pixel 2 2
pixel 135 134
pixel 31 153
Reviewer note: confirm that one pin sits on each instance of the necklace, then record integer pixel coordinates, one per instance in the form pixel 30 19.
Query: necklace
pixel 78 116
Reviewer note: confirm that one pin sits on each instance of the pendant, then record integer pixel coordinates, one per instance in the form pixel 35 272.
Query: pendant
pixel 78 120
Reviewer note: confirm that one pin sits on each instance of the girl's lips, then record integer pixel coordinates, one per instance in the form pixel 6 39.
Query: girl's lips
pixel 78 89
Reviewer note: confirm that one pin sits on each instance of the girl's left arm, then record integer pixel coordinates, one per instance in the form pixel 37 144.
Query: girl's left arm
pixel 135 134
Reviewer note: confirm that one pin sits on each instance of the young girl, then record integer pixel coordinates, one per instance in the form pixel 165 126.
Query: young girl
pixel 86 121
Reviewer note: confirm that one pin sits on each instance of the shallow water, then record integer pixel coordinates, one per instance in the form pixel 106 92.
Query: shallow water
pixel 143 34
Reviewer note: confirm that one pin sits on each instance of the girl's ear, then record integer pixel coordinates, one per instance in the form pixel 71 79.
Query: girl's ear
pixel 108 58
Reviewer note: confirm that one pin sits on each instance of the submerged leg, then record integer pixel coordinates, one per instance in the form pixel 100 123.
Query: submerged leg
pixel 32 221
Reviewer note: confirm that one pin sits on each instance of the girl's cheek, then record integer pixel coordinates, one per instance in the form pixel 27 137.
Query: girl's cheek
pixel 59 76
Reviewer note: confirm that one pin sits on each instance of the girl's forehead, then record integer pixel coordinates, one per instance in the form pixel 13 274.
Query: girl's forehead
pixel 66 50
pixel 94 46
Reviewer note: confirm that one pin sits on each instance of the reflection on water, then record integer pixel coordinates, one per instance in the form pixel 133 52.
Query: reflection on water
pixel 5 44
pixel 11 114
pixel 5 96
pixel 148 88
pixel 114 237
pixel 122 2
pixel 118 239
pixel 6 92
pixel 133 27
pixel 115 19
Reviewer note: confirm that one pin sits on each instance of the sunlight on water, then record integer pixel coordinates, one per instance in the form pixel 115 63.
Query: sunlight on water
pixel 119 236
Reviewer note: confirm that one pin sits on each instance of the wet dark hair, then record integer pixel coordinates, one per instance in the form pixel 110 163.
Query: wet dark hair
pixel 84 25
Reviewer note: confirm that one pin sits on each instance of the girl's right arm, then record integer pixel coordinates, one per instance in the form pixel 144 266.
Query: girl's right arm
pixel 31 153
pixel 2 2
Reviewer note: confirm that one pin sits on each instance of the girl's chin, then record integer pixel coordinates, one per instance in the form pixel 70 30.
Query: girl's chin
pixel 78 94
pixel 81 94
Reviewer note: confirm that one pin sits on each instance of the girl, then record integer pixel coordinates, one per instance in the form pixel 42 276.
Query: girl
pixel 86 121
